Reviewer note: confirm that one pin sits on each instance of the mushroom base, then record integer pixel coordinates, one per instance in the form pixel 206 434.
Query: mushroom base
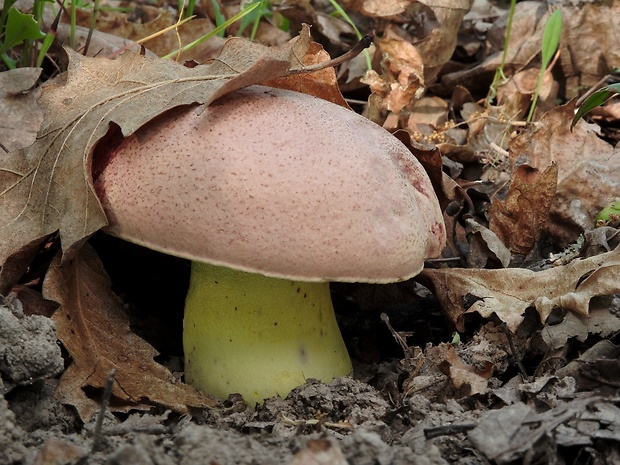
pixel 257 336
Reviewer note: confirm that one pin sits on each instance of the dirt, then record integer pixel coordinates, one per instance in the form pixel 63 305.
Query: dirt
pixel 461 403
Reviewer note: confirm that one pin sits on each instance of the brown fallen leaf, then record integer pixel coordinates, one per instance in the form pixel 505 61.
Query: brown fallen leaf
pixel 322 84
pixel 486 250
pixel 472 379
pixel 518 221
pixel 47 186
pixel 588 169
pixel 509 292
pixel 402 80
pixel 92 325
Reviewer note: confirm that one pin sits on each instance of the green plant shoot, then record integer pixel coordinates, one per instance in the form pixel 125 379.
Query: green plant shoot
pixel 19 28
pixel 219 17
pixel 595 100
pixel 610 215
pixel 550 42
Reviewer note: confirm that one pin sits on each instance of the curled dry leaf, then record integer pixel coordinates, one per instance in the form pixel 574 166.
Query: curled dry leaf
pixel 410 63
pixel 518 221
pixel 92 325
pixel 509 292
pixel 47 186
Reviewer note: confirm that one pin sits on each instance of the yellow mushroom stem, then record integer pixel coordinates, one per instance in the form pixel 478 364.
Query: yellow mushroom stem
pixel 257 336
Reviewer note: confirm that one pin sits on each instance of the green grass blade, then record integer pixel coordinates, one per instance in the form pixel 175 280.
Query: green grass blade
pixel 219 28
pixel 550 41
pixel 551 37
pixel 596 99
pixel 47 43
pixel 219 17
pixel 346 17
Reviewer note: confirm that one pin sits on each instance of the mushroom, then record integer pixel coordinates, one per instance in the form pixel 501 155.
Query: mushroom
pixel 272 194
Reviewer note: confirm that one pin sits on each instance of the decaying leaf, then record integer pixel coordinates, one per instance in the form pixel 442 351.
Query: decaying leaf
pixel 485 248
pixel 403 74
pixel 518 221
pixel 588 169
pixel 516 432
pixel 466 377
pixel 47 186
pixel 601 321
pixel 92 325
pixel 509 292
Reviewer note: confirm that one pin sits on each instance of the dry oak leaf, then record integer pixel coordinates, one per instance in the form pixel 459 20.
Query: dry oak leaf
pixel 92 325
pixel 509 292
pixel 48 186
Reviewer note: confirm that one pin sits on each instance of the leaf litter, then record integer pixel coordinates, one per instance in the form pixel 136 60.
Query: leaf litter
pixel 534 375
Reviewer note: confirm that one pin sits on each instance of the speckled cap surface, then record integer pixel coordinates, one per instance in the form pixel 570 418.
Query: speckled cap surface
pixel 274 182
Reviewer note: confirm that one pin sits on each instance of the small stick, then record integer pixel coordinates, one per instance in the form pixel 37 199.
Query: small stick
pixel 448 430
pixel 355 51
pixel 105 401
pixel 397 336
pixel 513 351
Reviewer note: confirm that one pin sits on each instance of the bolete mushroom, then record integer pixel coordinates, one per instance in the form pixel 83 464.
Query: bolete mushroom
pixel 271 194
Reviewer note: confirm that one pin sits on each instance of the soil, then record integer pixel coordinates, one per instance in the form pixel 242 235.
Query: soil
pixel 446 403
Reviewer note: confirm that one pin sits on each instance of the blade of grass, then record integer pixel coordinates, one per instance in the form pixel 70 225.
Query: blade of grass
pixel 596 99
pixel 259 15
pixel 190 8
pixel 550 43
pixel 219 28
pixel 73 22
pixel 49 39
pixel 152 36
pixel 359 35
pixel 219 17
pixel 499 72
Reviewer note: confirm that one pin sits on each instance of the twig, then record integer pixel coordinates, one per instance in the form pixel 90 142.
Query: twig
pixel 513 352
pixel 399 339
pixel 447 430
pixel 364 43
pixel 105 401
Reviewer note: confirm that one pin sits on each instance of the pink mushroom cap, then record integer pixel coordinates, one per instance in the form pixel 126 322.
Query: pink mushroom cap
pixel 274 182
